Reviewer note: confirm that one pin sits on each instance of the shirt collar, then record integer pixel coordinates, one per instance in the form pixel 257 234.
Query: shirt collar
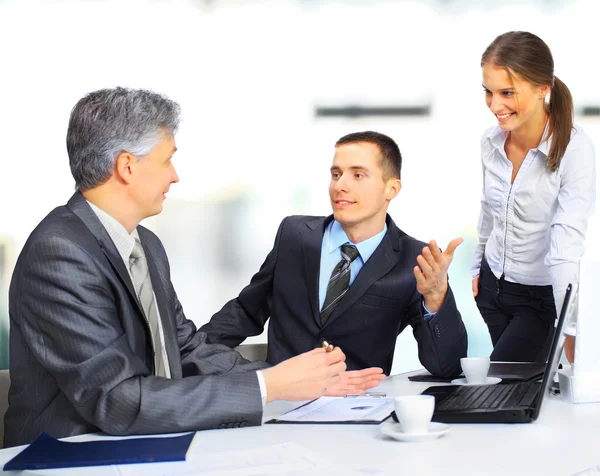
pixel 337 237
pixel 497 137
pixel 123 241
pixel 544 146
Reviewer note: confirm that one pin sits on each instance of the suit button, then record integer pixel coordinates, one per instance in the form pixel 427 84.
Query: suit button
pixel 221 426
pixel 230 425
pixel 236 424
pixel 243 424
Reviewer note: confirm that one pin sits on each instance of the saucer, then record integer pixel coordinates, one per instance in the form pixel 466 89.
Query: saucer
pixel 488 381
pixel 394 430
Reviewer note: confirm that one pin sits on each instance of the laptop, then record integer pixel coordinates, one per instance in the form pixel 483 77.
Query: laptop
pixel 507 371
pixel 505 402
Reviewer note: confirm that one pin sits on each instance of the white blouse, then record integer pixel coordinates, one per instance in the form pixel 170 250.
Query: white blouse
pixel 533 231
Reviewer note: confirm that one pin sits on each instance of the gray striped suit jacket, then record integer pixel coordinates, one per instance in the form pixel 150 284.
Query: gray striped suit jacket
pixel 80 349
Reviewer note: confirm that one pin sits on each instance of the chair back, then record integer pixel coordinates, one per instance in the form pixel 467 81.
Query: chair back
pixel 252 352
pixel 4 386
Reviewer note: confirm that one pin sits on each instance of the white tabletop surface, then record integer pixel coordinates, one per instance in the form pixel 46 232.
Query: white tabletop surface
pixel 563 441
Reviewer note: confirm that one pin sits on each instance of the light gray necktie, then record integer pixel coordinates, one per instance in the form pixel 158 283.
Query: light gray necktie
pixel 143 288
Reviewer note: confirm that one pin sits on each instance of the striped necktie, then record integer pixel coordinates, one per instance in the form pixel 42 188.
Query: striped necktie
pixel 339 282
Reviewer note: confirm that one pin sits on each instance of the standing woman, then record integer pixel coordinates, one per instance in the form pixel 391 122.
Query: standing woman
pixel 539 187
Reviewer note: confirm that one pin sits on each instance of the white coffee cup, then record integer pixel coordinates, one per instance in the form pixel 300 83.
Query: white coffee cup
pixel 475 368
pixel 414 412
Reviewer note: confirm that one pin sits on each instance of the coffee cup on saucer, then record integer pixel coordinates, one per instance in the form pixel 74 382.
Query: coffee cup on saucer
pixel 475 369
pixel 414 412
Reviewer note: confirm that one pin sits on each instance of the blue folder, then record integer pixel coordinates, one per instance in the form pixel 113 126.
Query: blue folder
pixel 47 452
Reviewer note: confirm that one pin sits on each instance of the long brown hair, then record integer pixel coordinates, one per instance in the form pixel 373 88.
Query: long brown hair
pixel 528 56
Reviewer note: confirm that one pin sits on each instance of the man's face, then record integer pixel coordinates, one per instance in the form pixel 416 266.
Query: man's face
pixel 358 192
pixel 154 175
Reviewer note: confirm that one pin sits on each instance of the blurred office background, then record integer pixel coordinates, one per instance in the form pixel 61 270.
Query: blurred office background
pixel 266 88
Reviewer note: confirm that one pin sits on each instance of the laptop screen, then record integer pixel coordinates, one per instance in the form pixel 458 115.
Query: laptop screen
pixel 555 353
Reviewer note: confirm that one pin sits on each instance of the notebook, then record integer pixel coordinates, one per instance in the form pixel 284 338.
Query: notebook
pixel 504 402
pixel 48 452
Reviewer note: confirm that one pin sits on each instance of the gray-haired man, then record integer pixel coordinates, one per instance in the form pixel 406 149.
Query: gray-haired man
pixel 98 338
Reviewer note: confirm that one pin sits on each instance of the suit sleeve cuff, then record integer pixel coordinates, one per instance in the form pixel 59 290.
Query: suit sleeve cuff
pixel 263 387
pixel 426 314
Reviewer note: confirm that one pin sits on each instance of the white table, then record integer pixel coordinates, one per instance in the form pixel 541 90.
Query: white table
pixel 564 440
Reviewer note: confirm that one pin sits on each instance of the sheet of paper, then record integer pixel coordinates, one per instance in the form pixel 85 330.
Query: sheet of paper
pixel 287 459
pixel 340 409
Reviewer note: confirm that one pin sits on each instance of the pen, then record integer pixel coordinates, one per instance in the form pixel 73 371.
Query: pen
pixel 373 394
pixel 328 346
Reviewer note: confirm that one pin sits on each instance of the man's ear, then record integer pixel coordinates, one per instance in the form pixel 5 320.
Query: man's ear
pixel 124 167
pixel 393 188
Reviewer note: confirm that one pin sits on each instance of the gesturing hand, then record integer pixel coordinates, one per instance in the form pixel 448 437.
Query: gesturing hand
pixel 356 382
pixel 432 273
pixel 305 376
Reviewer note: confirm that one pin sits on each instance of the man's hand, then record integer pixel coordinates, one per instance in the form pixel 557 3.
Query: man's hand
pixel 475 286
pixel 356 382
pixel 432 276
pixel 305 376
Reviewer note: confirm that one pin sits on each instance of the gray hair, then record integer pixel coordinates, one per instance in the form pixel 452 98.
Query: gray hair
pixel 107 122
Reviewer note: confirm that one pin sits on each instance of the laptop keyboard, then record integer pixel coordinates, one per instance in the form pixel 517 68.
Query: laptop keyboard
pixel 488 396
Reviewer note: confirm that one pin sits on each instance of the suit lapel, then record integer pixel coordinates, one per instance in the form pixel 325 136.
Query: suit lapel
pixel 378 265
pixel 79 206
pixel 312 240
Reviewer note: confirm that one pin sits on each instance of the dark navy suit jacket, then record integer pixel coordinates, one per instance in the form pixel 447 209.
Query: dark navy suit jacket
pixel 379 304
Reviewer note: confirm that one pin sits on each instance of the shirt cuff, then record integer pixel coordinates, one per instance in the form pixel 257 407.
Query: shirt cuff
pixel 263 387
pixel 426 314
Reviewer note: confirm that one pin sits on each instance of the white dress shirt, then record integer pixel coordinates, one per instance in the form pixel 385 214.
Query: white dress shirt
pixel 124 243
pixel 533 230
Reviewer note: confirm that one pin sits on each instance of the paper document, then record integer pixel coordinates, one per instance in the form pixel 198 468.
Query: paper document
pixel 341 410
pixel 286 459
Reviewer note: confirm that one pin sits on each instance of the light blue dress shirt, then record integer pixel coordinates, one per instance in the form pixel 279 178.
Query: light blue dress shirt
pixel 331 254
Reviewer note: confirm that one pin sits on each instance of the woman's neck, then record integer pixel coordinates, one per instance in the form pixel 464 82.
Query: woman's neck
pixel 530 134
